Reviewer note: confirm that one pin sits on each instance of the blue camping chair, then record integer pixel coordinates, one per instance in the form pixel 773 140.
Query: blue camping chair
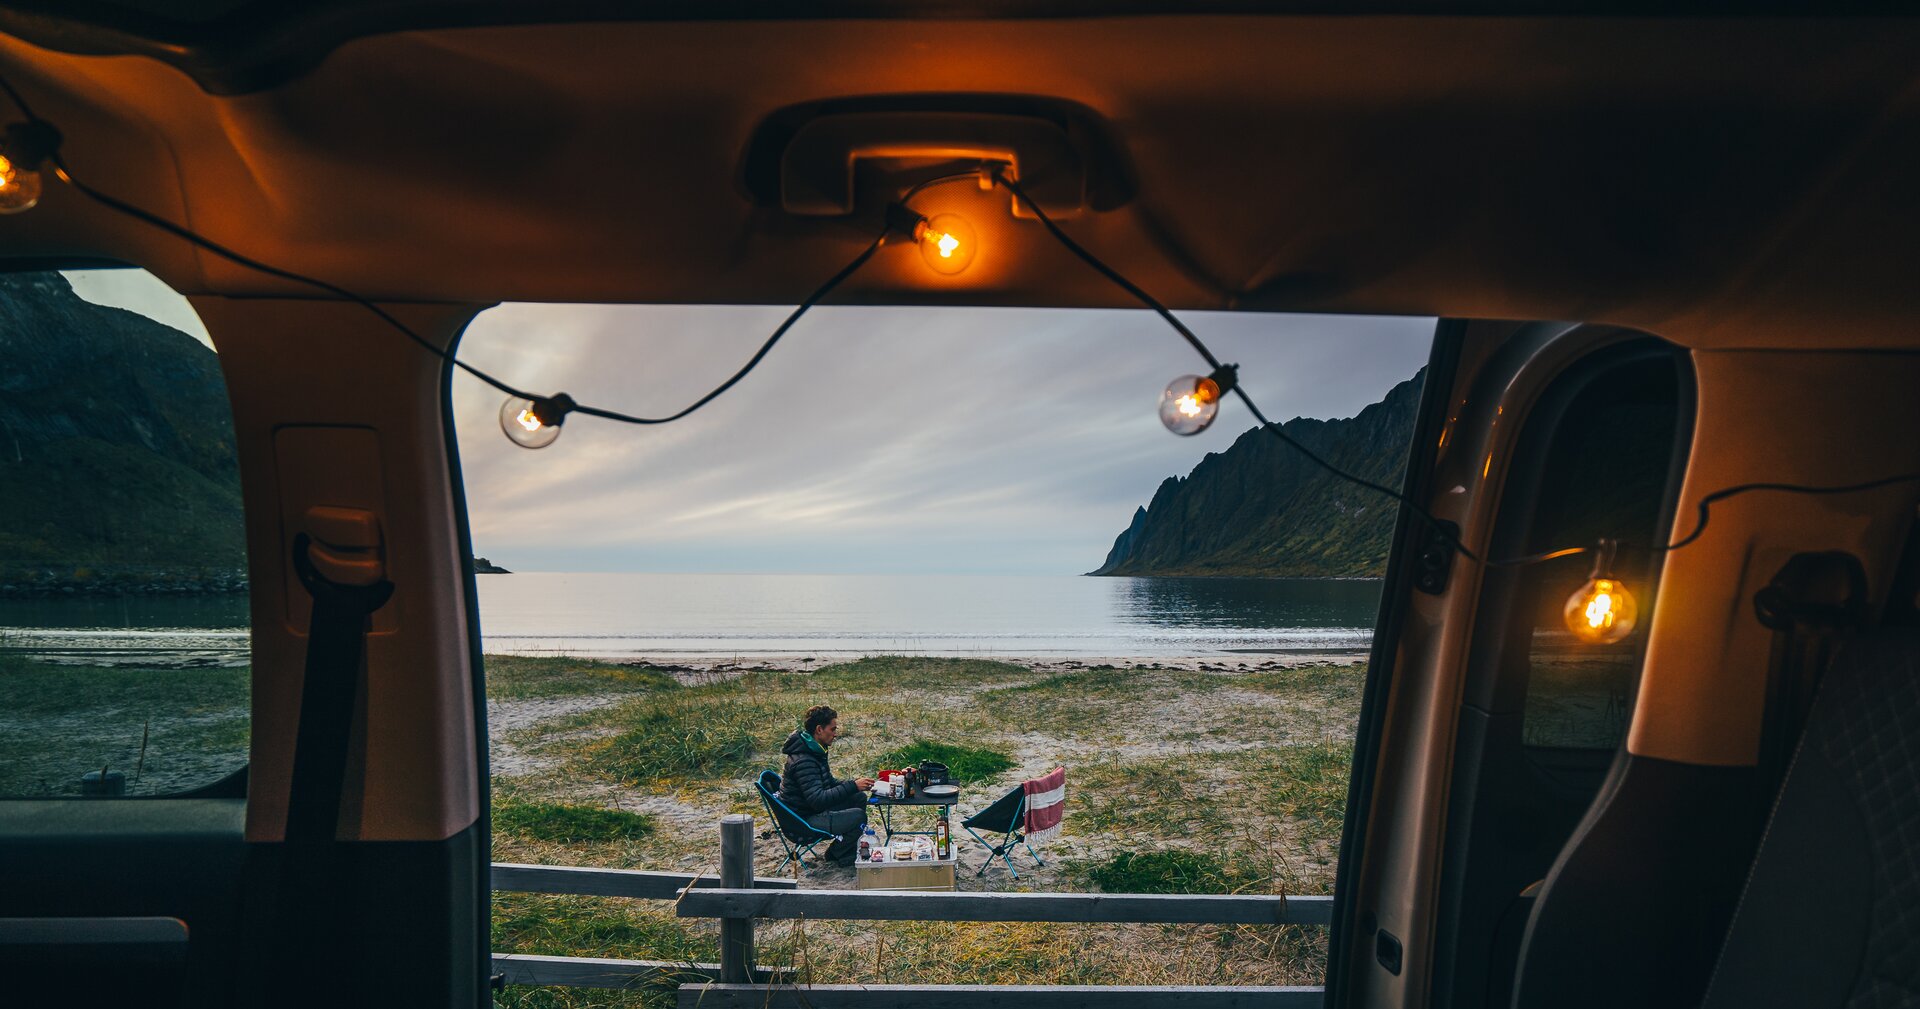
pixel 1006 817
pixel 797 836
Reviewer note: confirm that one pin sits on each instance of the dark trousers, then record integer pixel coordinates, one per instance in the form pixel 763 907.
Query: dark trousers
pixel 844 824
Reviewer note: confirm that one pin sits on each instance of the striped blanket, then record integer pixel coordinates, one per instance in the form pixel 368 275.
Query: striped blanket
pixel 1046 801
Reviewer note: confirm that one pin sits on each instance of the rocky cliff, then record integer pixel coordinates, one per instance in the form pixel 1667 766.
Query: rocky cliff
pixel 116 450
pixel 1260 508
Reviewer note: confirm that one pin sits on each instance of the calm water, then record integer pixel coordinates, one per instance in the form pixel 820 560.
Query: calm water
pixel 712 616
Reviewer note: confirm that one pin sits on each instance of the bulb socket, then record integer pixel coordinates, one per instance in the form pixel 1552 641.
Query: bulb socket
pixel 28 145
pixel 553 410
pixel 904 221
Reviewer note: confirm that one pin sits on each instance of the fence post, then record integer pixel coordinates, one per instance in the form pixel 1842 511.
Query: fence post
pixel 736 872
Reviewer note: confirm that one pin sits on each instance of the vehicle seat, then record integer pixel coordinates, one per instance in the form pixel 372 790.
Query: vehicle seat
pixel 1831 912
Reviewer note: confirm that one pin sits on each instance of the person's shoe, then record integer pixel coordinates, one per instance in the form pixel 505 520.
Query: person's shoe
pixel 846 861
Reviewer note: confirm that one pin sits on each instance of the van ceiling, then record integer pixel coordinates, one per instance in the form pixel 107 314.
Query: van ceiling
pixel 1721 182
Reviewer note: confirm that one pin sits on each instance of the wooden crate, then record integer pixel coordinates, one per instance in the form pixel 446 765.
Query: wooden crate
pixel 937 874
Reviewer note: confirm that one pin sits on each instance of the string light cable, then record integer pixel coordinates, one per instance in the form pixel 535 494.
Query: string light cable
pixel 529 418
pixel 1224 376
pixel 1600 611
pixel 1189 405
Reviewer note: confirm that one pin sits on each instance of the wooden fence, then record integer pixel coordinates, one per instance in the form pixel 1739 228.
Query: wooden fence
pixel 737 898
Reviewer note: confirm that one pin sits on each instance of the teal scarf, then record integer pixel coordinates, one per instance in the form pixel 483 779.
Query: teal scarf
pixel 812 743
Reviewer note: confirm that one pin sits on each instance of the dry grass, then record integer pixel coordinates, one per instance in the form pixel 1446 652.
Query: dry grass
pixel 1241 790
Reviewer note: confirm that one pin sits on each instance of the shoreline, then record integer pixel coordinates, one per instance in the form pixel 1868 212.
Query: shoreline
pixel 705 668
pixel 703 665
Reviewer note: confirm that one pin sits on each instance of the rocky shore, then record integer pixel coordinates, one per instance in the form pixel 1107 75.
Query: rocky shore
pixel 44 582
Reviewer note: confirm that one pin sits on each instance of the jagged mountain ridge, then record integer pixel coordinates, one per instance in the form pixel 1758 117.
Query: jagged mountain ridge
pixel 116 445
pixel 1261 509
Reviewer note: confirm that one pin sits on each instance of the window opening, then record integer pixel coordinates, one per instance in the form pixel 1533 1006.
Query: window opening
pixel 124 643
pixel 892 516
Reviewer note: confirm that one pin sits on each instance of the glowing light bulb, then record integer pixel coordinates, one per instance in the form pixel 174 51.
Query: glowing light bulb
pixel 1190 402
pixel 24 147
pixel 947 242
pixel 1602 611
pixel 534 423
pixel 19 186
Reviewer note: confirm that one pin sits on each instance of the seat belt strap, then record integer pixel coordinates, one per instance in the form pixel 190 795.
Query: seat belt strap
pixel 336 648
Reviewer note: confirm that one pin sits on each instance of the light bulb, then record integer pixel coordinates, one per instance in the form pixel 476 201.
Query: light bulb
pixel 946 242
pixel 534 423
pixel 1602 611
pixel 1190 402
pixel 24 147
pixel 19 187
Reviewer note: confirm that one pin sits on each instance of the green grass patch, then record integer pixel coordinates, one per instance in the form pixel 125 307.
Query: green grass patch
pixel 521 676
pixel 596 927
pixel 58 722
pixel 1157 796
pixel 37 690
pixel 567 824
pixel 1325 681
pixel 702 733
pixel 1171 870
pixel 968 765
pixel 1308 785
pixel 884 672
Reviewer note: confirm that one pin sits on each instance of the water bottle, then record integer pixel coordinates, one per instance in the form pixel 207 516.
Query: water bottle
pixel 867 839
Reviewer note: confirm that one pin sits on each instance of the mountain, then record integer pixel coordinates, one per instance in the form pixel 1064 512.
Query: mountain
pixel 1262 509
pixel 117 450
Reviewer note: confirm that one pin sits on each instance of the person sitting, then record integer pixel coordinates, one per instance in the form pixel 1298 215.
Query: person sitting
pixel 809 787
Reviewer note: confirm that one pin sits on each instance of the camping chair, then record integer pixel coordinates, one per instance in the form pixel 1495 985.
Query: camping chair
pixel 1006 817
pixel 797 836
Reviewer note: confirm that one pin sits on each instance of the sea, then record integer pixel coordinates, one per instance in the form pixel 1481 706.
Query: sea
pixel 716 617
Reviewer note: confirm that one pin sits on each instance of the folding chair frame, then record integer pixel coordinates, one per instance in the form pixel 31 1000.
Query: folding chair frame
pixel 1005 847
pixel 796 851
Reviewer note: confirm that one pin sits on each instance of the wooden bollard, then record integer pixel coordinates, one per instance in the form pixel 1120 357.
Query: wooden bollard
pixel 736 872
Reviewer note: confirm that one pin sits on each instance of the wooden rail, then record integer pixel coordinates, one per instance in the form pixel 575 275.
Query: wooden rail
pixel 512 877
pixel 991 996
pixel 883 905
pixel 737 898
pixel 594 972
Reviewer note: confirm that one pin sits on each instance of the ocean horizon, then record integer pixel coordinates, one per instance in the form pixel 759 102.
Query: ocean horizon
pixel 706 617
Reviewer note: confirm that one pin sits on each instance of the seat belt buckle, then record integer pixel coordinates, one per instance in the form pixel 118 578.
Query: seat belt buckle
pixel 345 545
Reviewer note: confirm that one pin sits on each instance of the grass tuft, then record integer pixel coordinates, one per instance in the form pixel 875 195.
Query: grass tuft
pixel 968 765
pixel 699 733
pixel 921 672
pixel 521 676
pixel 567 824
pixel 1171 870
pixel 1308 785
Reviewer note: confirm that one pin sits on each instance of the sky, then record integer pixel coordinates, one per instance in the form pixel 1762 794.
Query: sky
pixel 871 440
pixel 139 291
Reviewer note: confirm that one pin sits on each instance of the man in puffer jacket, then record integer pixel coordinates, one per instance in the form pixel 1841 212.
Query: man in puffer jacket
pixel 808 784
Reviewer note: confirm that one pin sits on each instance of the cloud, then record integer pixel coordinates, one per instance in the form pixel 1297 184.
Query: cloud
pixel 872 439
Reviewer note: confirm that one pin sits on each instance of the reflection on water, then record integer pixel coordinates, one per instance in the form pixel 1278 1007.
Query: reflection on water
pixel 1249 603
pixel 184 630
pixel 626 615
pixel 635 615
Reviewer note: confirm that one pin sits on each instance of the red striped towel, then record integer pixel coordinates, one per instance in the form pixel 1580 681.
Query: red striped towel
pixel 1046 801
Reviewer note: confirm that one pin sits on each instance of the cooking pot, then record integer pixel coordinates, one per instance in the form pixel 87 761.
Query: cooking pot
pixel 933 772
